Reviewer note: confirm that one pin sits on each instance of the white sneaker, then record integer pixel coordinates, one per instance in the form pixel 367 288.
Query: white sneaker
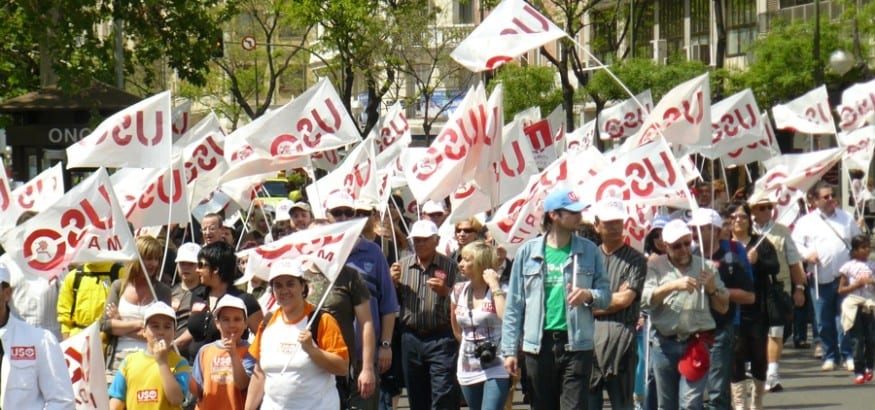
pixel 828 366
pixel 849 364
pixel 818 351
pixel 773 383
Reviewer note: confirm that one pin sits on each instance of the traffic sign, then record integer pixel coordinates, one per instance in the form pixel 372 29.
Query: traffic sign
pixel 248 43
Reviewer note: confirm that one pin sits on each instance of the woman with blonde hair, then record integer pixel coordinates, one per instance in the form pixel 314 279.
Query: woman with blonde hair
pixel 128 299
pixel 477 308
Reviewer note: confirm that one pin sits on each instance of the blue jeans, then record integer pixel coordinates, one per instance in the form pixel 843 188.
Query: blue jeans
pixel 826 310
pixel 672 389
pixel 640 371
pixel 721 367
pixel 488 395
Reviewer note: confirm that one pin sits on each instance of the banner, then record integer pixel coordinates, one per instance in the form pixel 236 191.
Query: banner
pixel 735 122
pixel 328 246
pixel 683 115
pixel 766 147
pixel 858 106
pixel 152 197
pixel 314 121
pixel 808 114
pixel 84 355
pixel 394 136
pixel 624 119
pixel 858 146
pixel 356 175
pixel 36 195
pixel 581 138
pixel 179 123
pixel 517 163
pixel 85 225
pixel 512 28
pixel 204 156
pixel 138 136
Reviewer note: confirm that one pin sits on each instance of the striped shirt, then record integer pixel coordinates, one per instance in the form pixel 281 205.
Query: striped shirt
pixel 626 265
pixel 422 309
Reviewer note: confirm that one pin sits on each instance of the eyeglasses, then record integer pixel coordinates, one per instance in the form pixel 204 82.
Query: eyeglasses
pixel 465 230
pixel 202 264
pixel 764 208
pixel 362 213
pixel 828 196
pixel 680 245
pixel 338 212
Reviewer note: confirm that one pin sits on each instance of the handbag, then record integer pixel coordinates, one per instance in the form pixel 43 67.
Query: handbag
pixel 779 304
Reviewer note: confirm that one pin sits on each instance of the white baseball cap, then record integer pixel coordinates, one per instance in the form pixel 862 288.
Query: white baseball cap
pixel 611 209
pixel 282 210
pixel 187 252
pixel 423 229
pixel 433 207
pixel 159 309
pixel 705 217
pixel 230 301
pixel 675 230
pixel 287 267
pixel 339 199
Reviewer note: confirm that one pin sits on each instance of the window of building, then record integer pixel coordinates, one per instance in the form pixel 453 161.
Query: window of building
pixel 793 3
pixel 644 20
pixel 741 19
pixel 671 26
pixel 466 12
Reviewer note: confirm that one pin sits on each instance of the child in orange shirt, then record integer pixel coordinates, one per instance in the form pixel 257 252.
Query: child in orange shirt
pixel 222 368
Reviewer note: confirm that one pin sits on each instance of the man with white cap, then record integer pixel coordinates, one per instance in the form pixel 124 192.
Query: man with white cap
pixel 428 348
pixel 556 282
pixel 186 268
pixel 790 273
pixel 737 278
pixel 282 222
pixel 434 211
pixel 615 327
pixel 33 373
pixel 301 215
pixel 680 289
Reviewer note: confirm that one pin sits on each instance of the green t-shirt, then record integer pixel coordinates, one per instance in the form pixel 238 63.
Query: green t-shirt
pixel 554 287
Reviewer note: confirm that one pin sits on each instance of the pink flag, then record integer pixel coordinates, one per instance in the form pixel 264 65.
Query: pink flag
pixel 86 368
pixel 86 224
pixel 36 195
pixel 138 136
pixel 511 29
pixel 858 106
pixel 624 119
pixel 808 114
pixel 683 115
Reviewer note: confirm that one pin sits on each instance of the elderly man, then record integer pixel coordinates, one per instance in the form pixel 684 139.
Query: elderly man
pixel 790 273
pixel 556 282
pixel 823 238
pixel 211 228
pixel 428 348
pixel 680 291
pixel 616 354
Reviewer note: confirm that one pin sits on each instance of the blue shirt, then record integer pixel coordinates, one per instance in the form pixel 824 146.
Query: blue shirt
pixel 368 259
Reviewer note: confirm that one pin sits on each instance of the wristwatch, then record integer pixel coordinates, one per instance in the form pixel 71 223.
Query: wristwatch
pixel 386 344
pixel 800 287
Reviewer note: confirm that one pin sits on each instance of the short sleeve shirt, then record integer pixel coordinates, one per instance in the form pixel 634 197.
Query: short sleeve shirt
pixel 349 291
pixel 201 324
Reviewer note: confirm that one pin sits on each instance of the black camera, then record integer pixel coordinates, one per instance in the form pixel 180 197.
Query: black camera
pixel 485 351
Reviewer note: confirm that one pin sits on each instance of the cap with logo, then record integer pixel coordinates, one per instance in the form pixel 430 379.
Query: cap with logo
pixel 282 210
pixel 611 209
pixel 339 199
pixel 563 198
pixel 423 229
pixel 187 252
pixel 434 207
pixel 230 301
pixel 159 309
pixel 287 267
pixel 695 361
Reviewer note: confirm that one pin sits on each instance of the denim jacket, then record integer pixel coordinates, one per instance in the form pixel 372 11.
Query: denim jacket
pixel 524 311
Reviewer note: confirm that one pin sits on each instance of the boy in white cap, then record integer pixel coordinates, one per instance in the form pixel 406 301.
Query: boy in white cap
pixel 186 268
pixel 222 369
pixel 157 377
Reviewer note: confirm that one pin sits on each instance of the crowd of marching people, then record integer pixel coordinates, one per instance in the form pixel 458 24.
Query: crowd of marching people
pixel 696 319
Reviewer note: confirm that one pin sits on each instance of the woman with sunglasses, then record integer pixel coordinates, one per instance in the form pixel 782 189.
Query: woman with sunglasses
pixel 217 268
pixel 128 299
pixel 752 336
pixel 467 231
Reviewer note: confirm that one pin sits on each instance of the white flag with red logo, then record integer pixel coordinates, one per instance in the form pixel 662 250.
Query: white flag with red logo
pixel 394 136
pixel 138 136
pixel 683 115
pixel 152 197
pixel 356 175
pixel 789 176
pixel 808 114
pixel 858 106
pixel 36 195
pixel 544 137
pixel 647 175
pixel 488 152
pixel 328 246
pixel 86 368
pixel 204 156
pixel 512 28
pixel 180 122
pixel 85 225
pixel 517 163
pixel 454 152
pixel 735 122
pixel 5 189
pixel 314 121
pixel 625 118
pixel 581 138
pixel 759 150
pixel 858 146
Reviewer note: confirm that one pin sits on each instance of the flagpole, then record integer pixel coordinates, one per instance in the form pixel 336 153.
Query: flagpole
pixel 310 321
pixel 167 227
pixel 264 214
pixel 245 222
pixel 148 279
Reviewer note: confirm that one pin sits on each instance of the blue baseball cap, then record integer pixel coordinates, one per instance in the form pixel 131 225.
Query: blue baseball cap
pixel 659 222
pixel 563 198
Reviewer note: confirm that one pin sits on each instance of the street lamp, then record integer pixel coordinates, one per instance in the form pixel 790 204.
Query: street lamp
pixel 841 62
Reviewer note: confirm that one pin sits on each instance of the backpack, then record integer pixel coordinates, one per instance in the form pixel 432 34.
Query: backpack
pixel 314 323
pixel 97 276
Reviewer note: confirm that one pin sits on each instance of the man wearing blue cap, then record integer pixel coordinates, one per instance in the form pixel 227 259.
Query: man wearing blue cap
pixel 555 282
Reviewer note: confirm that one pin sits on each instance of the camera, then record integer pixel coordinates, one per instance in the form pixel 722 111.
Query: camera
pixel 485 351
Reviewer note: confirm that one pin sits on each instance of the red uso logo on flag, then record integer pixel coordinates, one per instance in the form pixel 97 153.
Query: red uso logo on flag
pixel 23 353
pixel 147 396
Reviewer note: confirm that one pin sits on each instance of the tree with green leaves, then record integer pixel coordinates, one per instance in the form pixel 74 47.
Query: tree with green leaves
pixel 527 86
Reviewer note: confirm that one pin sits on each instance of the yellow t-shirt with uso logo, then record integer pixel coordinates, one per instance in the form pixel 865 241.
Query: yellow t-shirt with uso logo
pixel 138 381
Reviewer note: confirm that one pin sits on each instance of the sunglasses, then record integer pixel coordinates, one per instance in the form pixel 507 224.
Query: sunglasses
pixel 680 245
pixel 739 217
pixel 465 230
pixel 338 212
